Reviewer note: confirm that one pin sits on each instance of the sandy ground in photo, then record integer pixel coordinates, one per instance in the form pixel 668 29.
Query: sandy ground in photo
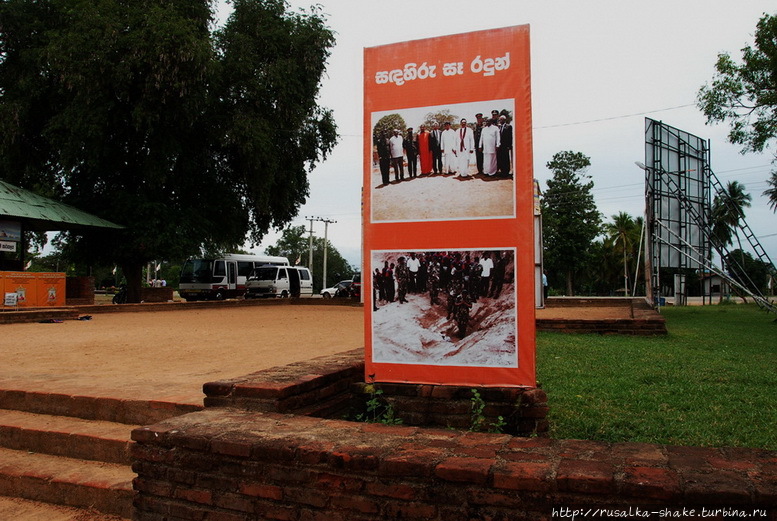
pixel 418 333
pixel 440 197
pixel 169 355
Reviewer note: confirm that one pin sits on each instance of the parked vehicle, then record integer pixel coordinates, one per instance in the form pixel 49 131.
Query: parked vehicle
pixel 356 286
pixel 279 281
pixel 341 289
pixel 224 277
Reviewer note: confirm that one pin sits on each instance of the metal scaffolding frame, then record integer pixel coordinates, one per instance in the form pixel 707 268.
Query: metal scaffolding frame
pixel 677 162
pixel 679 187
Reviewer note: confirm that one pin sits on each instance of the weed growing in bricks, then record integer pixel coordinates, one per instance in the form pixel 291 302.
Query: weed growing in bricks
pixel 478 421
pixel 379 410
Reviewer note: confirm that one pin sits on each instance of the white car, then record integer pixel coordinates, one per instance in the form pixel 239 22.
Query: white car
pixel 341 289
pixel 279 281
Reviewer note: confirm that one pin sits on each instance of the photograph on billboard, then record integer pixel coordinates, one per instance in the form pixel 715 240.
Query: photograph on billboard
pixel 10 230
pixel 449 196
pixel 444 307
pixel 443 162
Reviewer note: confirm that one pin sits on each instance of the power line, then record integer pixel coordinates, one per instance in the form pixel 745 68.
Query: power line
pixel 610 118
pixel 614 117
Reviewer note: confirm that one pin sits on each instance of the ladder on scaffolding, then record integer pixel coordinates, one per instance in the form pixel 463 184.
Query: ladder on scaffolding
pixel 746 286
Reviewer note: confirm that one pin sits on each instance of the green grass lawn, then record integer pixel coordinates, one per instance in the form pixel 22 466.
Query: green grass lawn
pixel 712 381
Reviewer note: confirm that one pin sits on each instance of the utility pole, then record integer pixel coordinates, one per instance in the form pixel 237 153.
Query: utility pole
pixel 310 242
pixel 326 222
pixel 326 228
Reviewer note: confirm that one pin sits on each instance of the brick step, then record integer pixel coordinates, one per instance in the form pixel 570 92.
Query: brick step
pixel 17 509
pixel 37 315
pixel 65 436
pixel 130 412
pixel 105 487
pixel 335 407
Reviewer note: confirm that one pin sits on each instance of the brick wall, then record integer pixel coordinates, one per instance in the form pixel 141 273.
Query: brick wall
pixel 156 294
pixel 333 386
pixel 225 464
pixel 79 291
pixel 603 302
pixel 518 411
pixel 246 457
pixel 643 321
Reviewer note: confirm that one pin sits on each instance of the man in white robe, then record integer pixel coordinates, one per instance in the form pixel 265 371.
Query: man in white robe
pixel 449 146
pixel 489 144
pixel 396 145
pixel 466 142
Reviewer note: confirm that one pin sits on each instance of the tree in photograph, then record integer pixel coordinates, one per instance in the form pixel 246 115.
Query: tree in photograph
pixel 570 219
pixel 135 111
pixel 745 94
pixel 387 124
pixel 294 245
pixel 441 118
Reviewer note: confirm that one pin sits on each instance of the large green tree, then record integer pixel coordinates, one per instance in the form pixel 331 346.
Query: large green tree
pixel 136 111
pixel 570 219
pixel 748 271
pixel 294 244
pixel 745 94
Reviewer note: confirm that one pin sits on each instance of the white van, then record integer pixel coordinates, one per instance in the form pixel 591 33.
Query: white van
pixel 223 277
pixel 279 281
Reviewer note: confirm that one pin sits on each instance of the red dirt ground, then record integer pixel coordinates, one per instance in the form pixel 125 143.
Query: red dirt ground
pixel 169 355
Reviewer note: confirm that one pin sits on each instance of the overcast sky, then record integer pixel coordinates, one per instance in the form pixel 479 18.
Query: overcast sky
pixel 598 69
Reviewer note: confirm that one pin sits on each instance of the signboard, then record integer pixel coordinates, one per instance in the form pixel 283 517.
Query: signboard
pixel 24 284
pixel 7 246
pixel 33 289
pixel 677 160
pixel 10 299
pixel 51 289
pixel 448 207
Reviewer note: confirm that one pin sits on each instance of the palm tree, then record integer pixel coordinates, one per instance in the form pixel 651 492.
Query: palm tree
pixel 727 210
pixel 771 193
pixel 624 229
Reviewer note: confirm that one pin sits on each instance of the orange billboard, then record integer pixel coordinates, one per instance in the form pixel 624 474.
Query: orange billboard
pixel 32 289
pixel 24 284
pixel 448 210
pixel 51 289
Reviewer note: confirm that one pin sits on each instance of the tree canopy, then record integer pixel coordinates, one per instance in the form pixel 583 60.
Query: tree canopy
pixel 136 111
pixel 748 271
pixel 570 219
pixel 387 124
pixel 745 94
pixel 294 244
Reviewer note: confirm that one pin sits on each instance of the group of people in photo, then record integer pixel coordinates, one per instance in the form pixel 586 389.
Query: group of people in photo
pixel 487 144
pixel 462 278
